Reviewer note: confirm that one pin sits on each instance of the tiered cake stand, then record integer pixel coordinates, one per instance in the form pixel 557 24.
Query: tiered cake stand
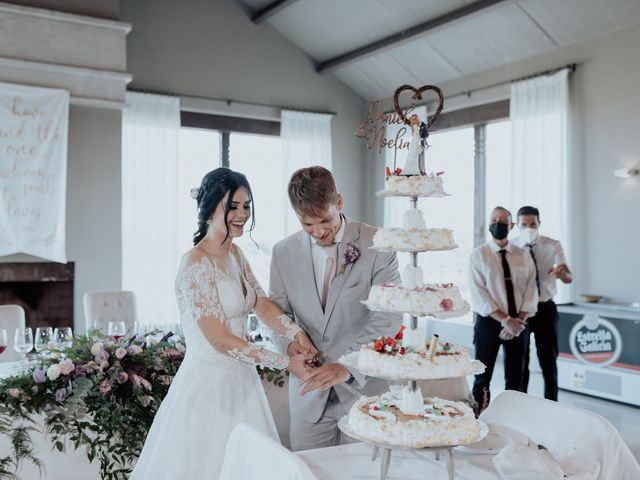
pixel 343 424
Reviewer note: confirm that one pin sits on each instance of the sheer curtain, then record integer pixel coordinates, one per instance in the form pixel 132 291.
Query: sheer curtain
pixel 150 132
pixel 306 141
pixel 539 173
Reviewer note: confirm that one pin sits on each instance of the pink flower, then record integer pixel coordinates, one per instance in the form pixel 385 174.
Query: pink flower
pixel 61 395
pixel 122 377
pixel 39 376
pixel 66 367
pixel 121 353
pixel 15 392
pixel 101 357
pixel 105 387
pixel 140 383
pixel 146 400
pixel 134 349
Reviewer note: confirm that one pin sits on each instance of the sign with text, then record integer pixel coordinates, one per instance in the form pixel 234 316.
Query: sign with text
pixel 34 126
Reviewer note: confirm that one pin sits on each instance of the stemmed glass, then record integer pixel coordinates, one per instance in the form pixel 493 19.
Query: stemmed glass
pixel 23 343
pixel 44 335
pixel 63 337
pixel 116 329
pixel 4 342
pixel 253 327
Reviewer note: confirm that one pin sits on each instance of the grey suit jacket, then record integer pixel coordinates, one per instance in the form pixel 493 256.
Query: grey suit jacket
pixel 346 323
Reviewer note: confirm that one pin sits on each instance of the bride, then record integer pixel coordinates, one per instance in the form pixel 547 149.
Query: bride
pixel 217 385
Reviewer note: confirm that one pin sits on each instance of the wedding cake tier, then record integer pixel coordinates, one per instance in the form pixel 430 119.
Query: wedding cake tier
pixel 414 239
pixel 393 358
pixel 413 186
pixel 439 300
pixel 436 423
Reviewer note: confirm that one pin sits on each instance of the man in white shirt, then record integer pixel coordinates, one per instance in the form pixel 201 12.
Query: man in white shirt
pixel 504 295
pixel 551 265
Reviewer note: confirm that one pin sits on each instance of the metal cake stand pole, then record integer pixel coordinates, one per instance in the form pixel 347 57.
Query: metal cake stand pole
pixel 384 465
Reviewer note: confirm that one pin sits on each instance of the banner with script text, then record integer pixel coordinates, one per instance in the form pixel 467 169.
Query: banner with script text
pixel 34 125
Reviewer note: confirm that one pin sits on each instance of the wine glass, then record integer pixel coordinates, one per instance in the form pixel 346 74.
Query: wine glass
pixel 23 343
pixel 4 342
pixel 116 329
pixel 63 337
pixel 44 335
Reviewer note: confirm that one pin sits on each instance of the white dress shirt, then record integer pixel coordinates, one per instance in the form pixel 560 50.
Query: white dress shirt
pixel 486 279
pixel 319 255
pixel 548 253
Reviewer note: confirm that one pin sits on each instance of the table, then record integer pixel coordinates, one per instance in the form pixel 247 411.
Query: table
pixel 354 462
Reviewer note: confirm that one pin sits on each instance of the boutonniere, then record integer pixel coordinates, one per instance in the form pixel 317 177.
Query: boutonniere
pixel 350 256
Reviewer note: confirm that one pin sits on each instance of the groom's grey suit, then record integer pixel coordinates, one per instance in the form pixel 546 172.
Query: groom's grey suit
pixel 341 327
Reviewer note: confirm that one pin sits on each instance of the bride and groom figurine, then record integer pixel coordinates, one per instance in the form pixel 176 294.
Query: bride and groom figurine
pixel 414 165
pixel 319 276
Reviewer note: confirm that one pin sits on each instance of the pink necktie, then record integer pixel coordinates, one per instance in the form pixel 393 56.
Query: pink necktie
pixel 330 269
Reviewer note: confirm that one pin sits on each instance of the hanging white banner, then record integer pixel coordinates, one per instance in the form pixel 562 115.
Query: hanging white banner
pixel 34 125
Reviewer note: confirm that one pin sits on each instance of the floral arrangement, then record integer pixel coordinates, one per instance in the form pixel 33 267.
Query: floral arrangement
pixel 100 394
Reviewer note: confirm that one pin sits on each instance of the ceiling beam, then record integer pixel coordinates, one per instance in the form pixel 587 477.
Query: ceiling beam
pixel 271 9
pixel 405 35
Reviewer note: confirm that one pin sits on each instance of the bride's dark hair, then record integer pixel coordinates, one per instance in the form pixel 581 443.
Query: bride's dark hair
pixel 213 188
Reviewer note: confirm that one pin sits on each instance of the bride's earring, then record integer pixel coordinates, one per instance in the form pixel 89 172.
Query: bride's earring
pixel 210 221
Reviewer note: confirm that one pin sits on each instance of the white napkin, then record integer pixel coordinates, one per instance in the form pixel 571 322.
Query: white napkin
pixel 526 462
pixel 529 462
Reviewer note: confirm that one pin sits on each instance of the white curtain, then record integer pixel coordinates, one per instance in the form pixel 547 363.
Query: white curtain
pixel 539 165
pixel 306 142
pixel 150 132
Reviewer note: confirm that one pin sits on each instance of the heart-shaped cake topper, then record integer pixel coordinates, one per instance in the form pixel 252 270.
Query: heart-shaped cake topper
pixel 417 95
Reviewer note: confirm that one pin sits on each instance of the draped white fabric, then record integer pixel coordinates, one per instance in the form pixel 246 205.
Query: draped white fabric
pixel 150 131
pixel 306 141
pixel 540 167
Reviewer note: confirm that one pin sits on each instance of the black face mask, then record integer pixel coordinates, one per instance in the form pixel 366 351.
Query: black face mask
pixel 499 230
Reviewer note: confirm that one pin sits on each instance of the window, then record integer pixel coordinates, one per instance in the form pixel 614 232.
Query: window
pixel 199 153
pixel 498 169
pixel 259 157
pixel 252 147
pixel 452 153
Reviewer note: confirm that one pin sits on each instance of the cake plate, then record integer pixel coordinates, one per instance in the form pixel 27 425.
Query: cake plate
pixel 386 193
pixel 387 448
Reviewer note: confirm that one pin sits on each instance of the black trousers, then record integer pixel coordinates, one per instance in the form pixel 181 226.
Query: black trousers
pixel 544 326
pixel 486 340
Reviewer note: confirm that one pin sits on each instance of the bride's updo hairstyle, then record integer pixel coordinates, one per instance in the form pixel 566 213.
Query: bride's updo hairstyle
pixel 213 188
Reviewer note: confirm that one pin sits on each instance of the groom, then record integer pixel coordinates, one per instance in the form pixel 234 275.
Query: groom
pixel 319 276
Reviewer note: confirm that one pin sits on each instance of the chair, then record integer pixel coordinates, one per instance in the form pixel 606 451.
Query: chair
pixel 100 308
pixel 268 458
pixel 580 440
pixel 11 317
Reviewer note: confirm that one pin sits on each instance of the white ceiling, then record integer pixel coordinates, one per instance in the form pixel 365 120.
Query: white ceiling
pixel 507 32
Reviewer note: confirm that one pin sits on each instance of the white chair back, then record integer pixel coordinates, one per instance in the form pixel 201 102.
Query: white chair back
pixel 268 458
pixel 100 308
pixel 11 317
pixel 580 440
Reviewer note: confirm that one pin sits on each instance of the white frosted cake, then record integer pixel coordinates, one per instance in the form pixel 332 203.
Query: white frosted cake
pixel 421 300
pixel 396 358
pixel 414 185
pixel 436 422
pixel 414 239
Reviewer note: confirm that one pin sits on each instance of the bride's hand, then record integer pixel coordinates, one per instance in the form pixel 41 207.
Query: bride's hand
pixel 299 364
pixel 305 342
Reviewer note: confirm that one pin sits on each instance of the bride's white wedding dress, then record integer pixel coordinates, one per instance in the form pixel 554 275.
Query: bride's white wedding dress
pixel 213 390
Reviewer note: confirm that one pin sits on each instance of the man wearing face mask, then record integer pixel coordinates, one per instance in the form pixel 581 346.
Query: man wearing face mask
pixel 551 265
pixel 504 295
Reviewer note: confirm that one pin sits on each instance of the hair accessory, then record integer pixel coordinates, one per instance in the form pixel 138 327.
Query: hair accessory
pixel 194 192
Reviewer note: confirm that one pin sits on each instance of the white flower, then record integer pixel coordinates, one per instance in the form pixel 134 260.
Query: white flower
pixel 66 367
pixel 180 347
pixel 96 348
pixel 121 353
pixel 53 372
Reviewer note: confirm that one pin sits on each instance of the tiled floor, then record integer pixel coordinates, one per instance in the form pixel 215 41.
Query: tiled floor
pixel 625 418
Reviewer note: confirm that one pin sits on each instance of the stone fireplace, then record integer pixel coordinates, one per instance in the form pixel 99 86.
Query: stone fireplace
pixel 43 289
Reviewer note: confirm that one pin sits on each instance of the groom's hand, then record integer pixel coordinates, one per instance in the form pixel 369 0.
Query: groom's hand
pixel 324 377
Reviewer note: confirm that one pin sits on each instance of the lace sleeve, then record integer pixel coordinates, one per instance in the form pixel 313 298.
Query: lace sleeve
pixel 198 295
pixel 248 273
pixel 290 328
